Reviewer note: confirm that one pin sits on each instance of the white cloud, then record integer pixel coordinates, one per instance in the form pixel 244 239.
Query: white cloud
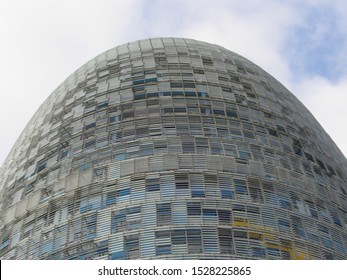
pixel 327 102
pixel 42 42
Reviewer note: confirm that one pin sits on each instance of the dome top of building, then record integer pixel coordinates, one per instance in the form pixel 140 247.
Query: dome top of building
pixel 178 132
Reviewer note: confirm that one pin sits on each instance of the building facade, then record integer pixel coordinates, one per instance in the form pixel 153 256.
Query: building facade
pixel 173 148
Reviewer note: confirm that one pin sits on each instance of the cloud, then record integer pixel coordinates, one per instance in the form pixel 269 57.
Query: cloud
pixel 327 102
pixel 43 42
pixel 316 45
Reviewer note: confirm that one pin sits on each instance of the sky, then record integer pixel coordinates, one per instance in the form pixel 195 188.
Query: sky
pixel 303 44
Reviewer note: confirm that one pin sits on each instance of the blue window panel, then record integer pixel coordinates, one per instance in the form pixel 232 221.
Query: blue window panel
pixel 271 198
pixel 299 230
pixel 64 154
pixel 152 184
pixel 90 226
pixel 91 235
pixel 323 229
pixel 298 151
pixel 118 221
pixel 198 193
pixel 224 216
pixel 102 105
pixel 312 237
pixel 115 118
pixel 164 209
pixel 328 243
pixel 134 210
pixel 165 93
pixel 231 113
pixel 120 156
pixel 138 82
pixel 123 192
pixel 337 221
pixel 193 208
pixel 102 251
pixel 209 212
pixel 162 234
pixel 150 80
pixel 57 244
pixel 241 190
pixel 47 247
pixel 313 213
pixel 245 155
pixel 202 94
pixel 219 112
pixel 190 93
pixel 283 223
pixel 258 252
pixel 152 94
pixel 90 144
pixel 228 194
pixel 336 218
pixel 86 208
pixel 163 250
pixel 146 150
pixel 340 247
pixel 152 188
pixel 117 255
pixel 284 203
pixel 41 166
pixel 194 235
pixel 5 243
pixel 91 125
pixel 84 166
pixel 111 198
pixel 138 97
pixel 273 252
pixel 178 236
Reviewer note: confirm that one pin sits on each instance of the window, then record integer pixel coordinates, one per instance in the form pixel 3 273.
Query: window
pixel 194 241
pixel 118 221
pixel 209 212
pixel 163 213
pixel 115 118
pixel 227 193
pixel 152 184
pixel 131 246
pixel 224 216
pixel 163 250
pixel 197 192
pixel 102 105
pixel 64 154
pixel 41 166
pixel 123 192
pixel 111 198
pixel 225 241
pixel 89 126
pixel 193 208
pixel 178 237
pixel 181 180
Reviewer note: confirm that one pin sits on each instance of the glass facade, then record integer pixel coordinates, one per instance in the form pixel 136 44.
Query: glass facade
pixel 173 148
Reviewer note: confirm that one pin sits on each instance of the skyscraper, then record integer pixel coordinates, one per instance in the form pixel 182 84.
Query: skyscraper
pixel 174 149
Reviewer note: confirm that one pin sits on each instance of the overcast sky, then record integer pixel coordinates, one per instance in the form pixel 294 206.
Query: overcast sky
pixel 302 43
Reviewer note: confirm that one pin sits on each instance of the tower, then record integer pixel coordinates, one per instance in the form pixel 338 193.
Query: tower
pixel 173 148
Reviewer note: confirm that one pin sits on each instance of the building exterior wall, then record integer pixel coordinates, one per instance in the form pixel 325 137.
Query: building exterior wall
pixel 173 149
